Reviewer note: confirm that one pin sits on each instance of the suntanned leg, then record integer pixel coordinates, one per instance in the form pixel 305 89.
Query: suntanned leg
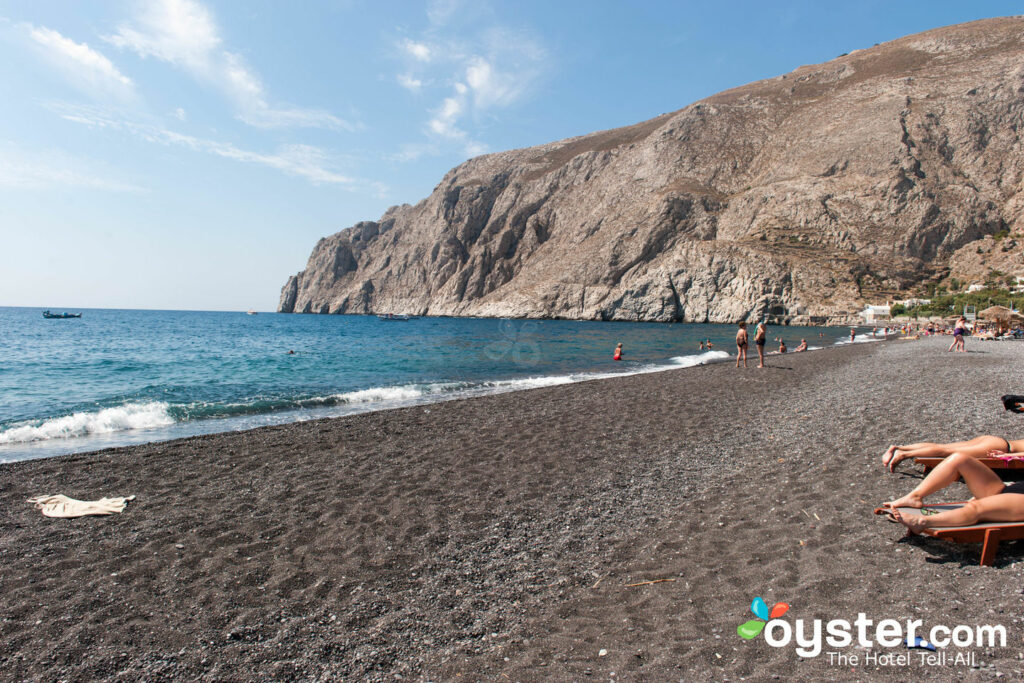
pixel 980 479
pixel 977 447
pixel 1002 507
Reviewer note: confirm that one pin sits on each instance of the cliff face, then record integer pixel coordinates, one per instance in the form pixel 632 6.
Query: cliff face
pixel 802 195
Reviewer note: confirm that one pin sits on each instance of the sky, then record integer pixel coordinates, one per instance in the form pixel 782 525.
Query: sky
pixel 188 154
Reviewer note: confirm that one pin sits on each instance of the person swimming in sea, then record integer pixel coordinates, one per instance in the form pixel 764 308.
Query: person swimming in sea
pixel 618 352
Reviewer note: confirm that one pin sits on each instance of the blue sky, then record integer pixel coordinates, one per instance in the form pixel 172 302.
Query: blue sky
pixel 189 153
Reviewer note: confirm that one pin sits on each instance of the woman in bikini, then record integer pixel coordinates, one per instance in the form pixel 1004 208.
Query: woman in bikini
pixel 994 501
pixel 741 344
pixel 760 337
pixel 978 447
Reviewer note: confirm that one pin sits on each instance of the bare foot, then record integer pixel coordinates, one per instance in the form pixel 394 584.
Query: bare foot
pixel 915 523
pixel 896 458
pixel 887 456
pixel 907 501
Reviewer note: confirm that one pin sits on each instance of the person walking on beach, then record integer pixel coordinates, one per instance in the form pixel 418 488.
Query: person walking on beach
pixel 958 335
pixel 760 337
pixel 741 344
pixel 618 352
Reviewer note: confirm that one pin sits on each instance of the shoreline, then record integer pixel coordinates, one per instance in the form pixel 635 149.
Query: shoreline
pixel 437 541
pixel 336 406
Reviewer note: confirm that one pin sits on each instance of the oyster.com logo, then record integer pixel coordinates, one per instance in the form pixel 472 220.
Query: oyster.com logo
pixel 752 629
pixel 810 637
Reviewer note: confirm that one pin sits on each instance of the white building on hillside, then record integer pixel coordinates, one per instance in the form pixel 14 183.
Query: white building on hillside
pixel 873 314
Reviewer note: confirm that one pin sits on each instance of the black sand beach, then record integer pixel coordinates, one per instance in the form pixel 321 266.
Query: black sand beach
pixel 495 538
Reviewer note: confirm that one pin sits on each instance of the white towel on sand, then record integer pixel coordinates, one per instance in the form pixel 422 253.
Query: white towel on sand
pixel 62 506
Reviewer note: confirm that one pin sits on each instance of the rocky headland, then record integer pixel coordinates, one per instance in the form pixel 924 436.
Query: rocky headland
pixel 801 197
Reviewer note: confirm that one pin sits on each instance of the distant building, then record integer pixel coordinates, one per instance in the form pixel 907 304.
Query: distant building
pixel 975 288
pixel 873 314
pixel 915 302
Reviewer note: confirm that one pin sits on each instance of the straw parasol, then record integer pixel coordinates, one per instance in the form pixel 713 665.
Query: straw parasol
pixel 996 313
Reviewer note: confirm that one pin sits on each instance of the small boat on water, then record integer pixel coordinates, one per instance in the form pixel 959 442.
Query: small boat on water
pixel 60 316
pixel 395 316
pixel 250 312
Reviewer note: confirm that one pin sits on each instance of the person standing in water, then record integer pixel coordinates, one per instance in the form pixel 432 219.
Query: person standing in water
pixel 760 338
pixel 853 334
pixel 618 352
pixel 741 344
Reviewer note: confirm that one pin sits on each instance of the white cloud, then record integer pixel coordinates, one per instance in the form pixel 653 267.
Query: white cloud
pixel 475 149
pixel 46 170
pixel 304 161
pixel 82 65
pixel 179 114
pixel 420 51
pixel 180 32
pixel 486 69
pixel 440 12
pixel 444 119
pixel 491 88
pixel 185 34
pixel 409 83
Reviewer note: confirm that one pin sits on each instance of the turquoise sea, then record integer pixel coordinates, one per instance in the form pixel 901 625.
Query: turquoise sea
pixel 117 377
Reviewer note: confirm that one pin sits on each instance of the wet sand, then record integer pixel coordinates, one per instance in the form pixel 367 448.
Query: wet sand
pixel 495 538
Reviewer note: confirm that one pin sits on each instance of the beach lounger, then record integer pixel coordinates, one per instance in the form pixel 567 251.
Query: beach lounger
pixel 993 463
pixel 987 533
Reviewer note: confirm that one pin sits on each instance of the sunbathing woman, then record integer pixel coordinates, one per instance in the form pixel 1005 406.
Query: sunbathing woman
pixel 979 447
pixel 993 500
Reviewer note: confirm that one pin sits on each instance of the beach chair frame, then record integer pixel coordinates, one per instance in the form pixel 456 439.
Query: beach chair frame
pixel 989 534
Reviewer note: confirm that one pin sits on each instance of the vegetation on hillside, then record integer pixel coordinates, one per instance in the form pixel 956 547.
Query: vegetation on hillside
pixel 945 303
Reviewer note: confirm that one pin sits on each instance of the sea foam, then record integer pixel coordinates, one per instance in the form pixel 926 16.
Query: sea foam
pixel 104 421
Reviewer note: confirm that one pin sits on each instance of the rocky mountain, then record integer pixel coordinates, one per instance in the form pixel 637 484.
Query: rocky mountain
pixel 803 196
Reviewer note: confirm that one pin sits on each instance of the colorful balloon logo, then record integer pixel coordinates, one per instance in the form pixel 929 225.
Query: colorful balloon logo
pixel 753 628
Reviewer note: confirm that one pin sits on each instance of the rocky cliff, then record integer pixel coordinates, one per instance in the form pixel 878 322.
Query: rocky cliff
pixel 801 196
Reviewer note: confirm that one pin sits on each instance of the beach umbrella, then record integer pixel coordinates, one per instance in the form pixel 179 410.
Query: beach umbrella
pixel 996 313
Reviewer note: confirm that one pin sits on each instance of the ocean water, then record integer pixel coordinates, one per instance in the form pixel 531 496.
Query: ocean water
pixel 118 377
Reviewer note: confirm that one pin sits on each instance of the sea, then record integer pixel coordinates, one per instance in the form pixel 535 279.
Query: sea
pixel 121 377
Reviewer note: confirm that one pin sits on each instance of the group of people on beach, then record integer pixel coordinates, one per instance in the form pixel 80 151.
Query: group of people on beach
pixel 760 339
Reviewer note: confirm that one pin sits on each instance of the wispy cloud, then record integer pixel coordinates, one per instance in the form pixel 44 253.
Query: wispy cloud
pixel 480 68
pixel 409 83
pixel 185 34
pixel 304 161
pixel 419 51
pixel 38 171
pixel 81 64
